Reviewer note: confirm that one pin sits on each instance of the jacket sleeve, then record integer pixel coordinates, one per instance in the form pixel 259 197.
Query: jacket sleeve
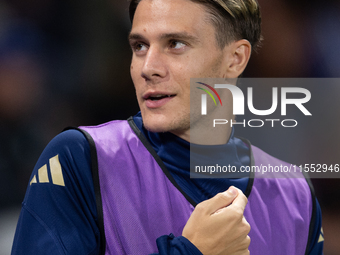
pixel 317 236
pixel 171 245
pixel 58 213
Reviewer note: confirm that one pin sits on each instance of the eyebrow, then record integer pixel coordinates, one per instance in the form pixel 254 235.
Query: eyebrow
pixel 180 35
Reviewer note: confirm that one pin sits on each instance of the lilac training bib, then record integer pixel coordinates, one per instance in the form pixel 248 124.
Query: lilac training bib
pixel 139 202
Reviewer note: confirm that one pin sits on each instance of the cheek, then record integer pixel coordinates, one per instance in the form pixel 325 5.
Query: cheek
pixel 134 78
pixel 192 67
pixel 135 67
pixel 134 73
pixel 132 70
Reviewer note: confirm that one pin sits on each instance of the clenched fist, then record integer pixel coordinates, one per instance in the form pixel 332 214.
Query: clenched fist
pixel 217 226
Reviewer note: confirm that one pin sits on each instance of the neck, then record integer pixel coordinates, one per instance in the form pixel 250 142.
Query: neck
pixel 210 126
pixel 203 132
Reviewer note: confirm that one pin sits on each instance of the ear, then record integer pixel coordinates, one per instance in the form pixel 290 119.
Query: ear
pixel 238 53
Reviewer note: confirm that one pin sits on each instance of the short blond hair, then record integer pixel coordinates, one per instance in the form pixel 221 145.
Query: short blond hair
pixel 232 19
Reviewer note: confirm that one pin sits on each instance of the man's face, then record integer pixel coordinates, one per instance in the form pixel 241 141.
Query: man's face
pixel 172 41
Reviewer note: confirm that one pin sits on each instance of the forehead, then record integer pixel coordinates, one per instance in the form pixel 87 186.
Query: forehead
pixel 164 16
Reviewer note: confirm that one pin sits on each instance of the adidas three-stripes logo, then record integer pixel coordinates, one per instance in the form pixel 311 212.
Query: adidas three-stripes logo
pixel 55 170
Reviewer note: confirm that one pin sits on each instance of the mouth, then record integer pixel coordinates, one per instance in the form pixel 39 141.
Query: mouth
pixel 158 97
pixel 156 100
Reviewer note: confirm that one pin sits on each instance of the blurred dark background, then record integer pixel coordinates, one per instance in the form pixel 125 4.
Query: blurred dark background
pixel 66 63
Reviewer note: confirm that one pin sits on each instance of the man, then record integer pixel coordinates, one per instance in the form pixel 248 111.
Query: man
pixel 124 186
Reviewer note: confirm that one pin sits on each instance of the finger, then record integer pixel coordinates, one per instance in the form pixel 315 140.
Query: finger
pixel 244 252
pixel 240 201
pixel 240 245
pixel 221 200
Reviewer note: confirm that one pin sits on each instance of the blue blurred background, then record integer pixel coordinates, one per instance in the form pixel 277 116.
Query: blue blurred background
pixel 66 63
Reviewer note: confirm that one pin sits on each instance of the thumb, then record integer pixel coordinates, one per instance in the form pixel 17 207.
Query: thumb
pixel 240 201
pixel 221 200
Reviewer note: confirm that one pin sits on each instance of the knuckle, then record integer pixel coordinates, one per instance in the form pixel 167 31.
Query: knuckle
pixel 248 240
pixel 222 196
pixel 201 207
pixel 245 199
pixel 246 229
pixel 243 196
pixel 244 245
pixel 238 213
pixel 246 225
pixel 244 252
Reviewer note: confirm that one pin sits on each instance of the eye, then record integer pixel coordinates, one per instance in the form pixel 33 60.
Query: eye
pixel 177 45
pixel 139 47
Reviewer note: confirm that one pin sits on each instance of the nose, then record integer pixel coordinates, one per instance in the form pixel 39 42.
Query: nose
pixel 154 67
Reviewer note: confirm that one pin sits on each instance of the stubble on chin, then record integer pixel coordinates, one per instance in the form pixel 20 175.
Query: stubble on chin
pixel 179 124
